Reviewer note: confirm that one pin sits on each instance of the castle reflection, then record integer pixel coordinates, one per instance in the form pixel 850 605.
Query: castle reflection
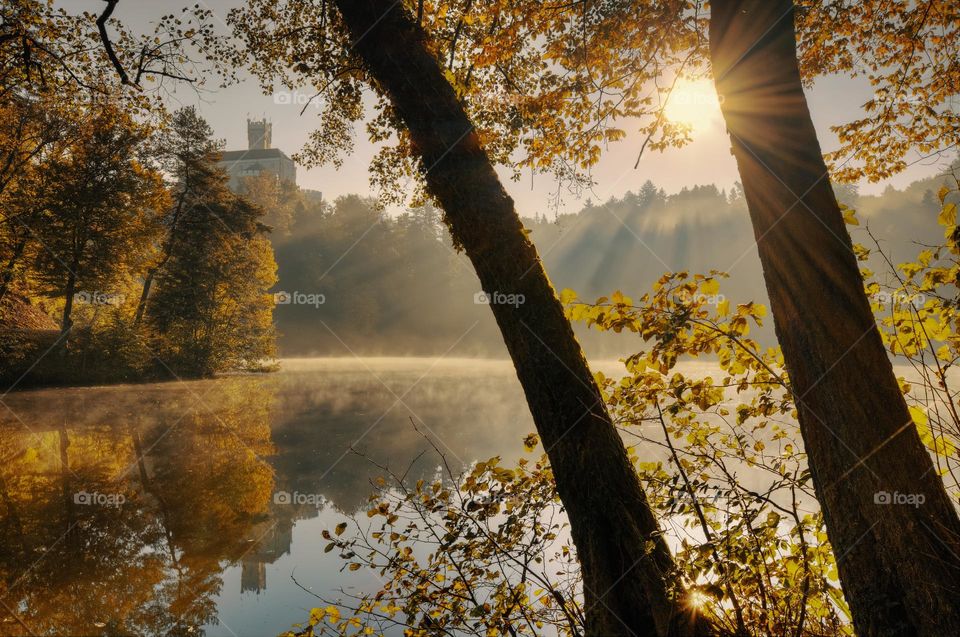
pixel 151 510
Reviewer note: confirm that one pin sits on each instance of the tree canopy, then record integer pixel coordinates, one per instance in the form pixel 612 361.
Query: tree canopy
pixel 549 85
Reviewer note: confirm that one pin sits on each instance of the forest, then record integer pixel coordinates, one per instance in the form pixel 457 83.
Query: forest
pixel 404 290
pixel 419 406
pixel 125 254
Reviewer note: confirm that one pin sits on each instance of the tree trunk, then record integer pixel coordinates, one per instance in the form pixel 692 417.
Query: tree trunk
pixel 630 583
pixel 66 489
pixel 66 322
pixel 899 564
pixel 9 270
pixel 142 303
pixel 167 251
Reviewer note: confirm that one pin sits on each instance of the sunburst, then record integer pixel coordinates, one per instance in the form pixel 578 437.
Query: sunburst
pixel 694 103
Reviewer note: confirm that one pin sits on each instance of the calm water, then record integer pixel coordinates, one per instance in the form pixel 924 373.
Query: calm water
pixel 238 478
pixel 188 508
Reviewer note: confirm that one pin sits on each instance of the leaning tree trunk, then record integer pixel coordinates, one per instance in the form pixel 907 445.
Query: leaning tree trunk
pixel 630 580
pixel 167 252
pixel 899 564
pixel 144 295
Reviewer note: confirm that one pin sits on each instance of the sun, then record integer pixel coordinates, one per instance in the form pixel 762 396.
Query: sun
pixel 694 103
pixel 697 600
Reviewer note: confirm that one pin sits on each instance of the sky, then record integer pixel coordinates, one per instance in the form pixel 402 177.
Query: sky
pixel 832 100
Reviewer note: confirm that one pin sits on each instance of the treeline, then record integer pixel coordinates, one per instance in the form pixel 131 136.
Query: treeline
pixel 356 279
pixel 396 286
pixel 124 254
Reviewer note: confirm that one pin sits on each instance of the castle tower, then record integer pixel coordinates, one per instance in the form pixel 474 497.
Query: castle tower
pixel 259 132
pixel 259 158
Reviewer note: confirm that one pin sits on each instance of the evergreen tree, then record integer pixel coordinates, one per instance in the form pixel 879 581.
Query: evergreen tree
pixel 210 310
pixel 184 150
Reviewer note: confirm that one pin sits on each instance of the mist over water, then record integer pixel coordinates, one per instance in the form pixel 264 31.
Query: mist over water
pixel 240 476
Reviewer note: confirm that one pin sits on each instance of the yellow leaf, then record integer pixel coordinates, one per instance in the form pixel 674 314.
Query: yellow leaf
pixel 918 415
pixel 723 308
pixel 618 298
pixel 530 441
pixel 710 286
pixel 567 296
pixel 317 615
pixel 948 215
pixel 849 216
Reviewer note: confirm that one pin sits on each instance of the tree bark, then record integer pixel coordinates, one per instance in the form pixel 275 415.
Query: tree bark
pixel 899 564
pixel 10 269
pixel 144 295
pixel 66 322
pixel 630 583
pixel 167 251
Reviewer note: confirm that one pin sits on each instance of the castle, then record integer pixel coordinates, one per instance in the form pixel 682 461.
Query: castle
pixel 258 158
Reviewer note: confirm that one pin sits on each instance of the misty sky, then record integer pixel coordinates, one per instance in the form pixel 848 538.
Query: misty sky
pixel 707 160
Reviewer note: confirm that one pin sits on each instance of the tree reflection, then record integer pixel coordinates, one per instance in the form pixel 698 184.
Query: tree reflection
pixel 195 471
pixel 126 528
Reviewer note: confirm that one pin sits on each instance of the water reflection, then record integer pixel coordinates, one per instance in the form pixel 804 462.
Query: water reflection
pixel 183 508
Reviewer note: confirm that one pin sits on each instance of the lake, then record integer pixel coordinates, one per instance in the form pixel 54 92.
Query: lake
pixel 187 508
pixel 197 507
